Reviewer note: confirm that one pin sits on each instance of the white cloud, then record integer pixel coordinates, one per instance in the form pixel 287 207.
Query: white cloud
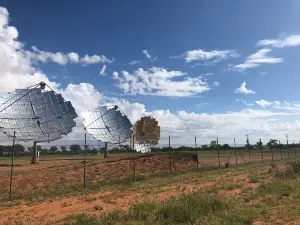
pixel 216 84
pixel 16 69
pixel 103 69
pixel 73 57
pixel 147 54
pixel 134 62
pixel 287 41
pixel 200 55
pixel 159 81
pixel 115 75
pixel 206 127
pixel 243 89
pixel 61 58
pixel 244 102
pixel 94 59
pixel 208 74
pixel 264 103
pixel 83 96
pixel 257 59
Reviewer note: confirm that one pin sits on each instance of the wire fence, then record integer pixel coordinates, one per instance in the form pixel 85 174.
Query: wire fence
pixel 68 169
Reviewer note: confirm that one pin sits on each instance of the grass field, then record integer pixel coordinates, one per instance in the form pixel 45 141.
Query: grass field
pixel 52 191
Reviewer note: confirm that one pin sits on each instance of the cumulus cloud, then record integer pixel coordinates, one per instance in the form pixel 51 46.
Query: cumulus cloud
pixel 257 59
pixel 73 57
pixel 103 69
pixel 159 81
pixel 286 41
pixel 115 75
pixel 84 96
pixel 202 55
pixel 206 127
pixel 243 89
pixel 16 68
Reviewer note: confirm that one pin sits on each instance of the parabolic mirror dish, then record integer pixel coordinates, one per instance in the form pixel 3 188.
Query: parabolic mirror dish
pixel 36 114
pixel 146 134
pixel 146 130
pixel 108 124
pixel 142 147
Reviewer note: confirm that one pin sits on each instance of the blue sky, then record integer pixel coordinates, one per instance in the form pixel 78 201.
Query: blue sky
pixel 212 47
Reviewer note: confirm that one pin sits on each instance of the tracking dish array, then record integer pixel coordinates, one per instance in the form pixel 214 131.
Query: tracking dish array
pixel 35 114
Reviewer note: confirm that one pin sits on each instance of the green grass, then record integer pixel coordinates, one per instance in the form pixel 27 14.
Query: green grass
pixel 196 208
pixel 279 188
pixel 98 207
pixel 253 178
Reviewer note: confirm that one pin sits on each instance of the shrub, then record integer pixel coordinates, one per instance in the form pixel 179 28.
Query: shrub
pixel 253 178
pixel 292 171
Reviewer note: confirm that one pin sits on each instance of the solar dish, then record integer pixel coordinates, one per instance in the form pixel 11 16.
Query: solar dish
pixel 142 147
pixel 36 114
pixel 108 124
pixel 146 134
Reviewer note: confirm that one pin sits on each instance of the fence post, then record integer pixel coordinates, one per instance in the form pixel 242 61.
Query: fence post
pixel 196 154
pixel 218 153
pixel 99 147
pixel 12 166
pixel 105 149
pixel 288 148
pixel 262 154
pixel 236 162
pixel 272 154
pixel 170 156
pixel 134 176
pixel 84 162
pixel 280 150
pixel 248 146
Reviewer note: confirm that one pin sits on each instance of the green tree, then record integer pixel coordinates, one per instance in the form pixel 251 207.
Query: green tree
pixel 53 149
pixel 30 149
pixel 259 144
pixel 19 148
pixel 226 146
pixel 63 149
pixel 204 146
pixel 213 144
pixel 272 143
pixel 75 149
pixel 94 151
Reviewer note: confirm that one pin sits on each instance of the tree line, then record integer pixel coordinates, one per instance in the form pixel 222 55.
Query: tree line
pixel 77 149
